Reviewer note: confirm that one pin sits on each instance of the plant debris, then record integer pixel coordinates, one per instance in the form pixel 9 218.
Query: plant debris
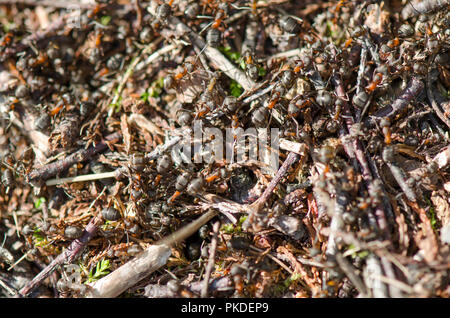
pixel 98 173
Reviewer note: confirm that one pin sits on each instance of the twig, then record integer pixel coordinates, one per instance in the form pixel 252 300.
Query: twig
pixel 7 288
pixel 372 48
pixel 359 85
pixel 256 206
pixel 394 291
pixel 212 256
pixel 119 171
pixel 145 263
pixel 68 256
pixel 82 178
pixel 362 68
pixel 355 144
pixel 337 223
pixel 355 148
pixel 163 148
pixel 414 88
pixel 223 205
pixel 398 174
pixel 394 282
pixel 371 273
pixel 141 121
pixel 422 7
pixel 292 146
pixel 52 3
pixel 258 94
pixel 309 263
pixel 46 172
pixel 21 259
pixel 281 55
pixel 138 9
pixel 349 270
pixel 274 258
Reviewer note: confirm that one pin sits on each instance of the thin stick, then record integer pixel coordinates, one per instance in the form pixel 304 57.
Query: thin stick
pixel 355 148
pixel 349 270
pixel 399 176
pixel 20 259
pixel 394 282
pixel 118 172
pixel 389 270
pixel 258 94
pixel 6 287
pixel 309 263
pixel 141 121
pixel 290 160
pixel 372 269
pixel 282 55
pixel 46 172
pixel 163 148
pixel 274 258
pixel 414 87
pixel 82 178
pixel 145 263
pixel 362 68
pixel 68 256
pixel 292 146
pixel 52 3
pixel 212 256
pixel 256 206
pixel 165 49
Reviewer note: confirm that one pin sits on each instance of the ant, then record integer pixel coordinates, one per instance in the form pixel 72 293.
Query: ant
pixel 186 68
pixel 251 66
pixel 206 99
pixel 187 182
pixel 376 80
pixel 220 15
pixel 7 39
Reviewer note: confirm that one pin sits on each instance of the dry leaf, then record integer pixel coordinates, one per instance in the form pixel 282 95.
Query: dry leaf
pixel 125 133
pixel 425 239
pixel 441 206
pixel 402 228
pixel 142 122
